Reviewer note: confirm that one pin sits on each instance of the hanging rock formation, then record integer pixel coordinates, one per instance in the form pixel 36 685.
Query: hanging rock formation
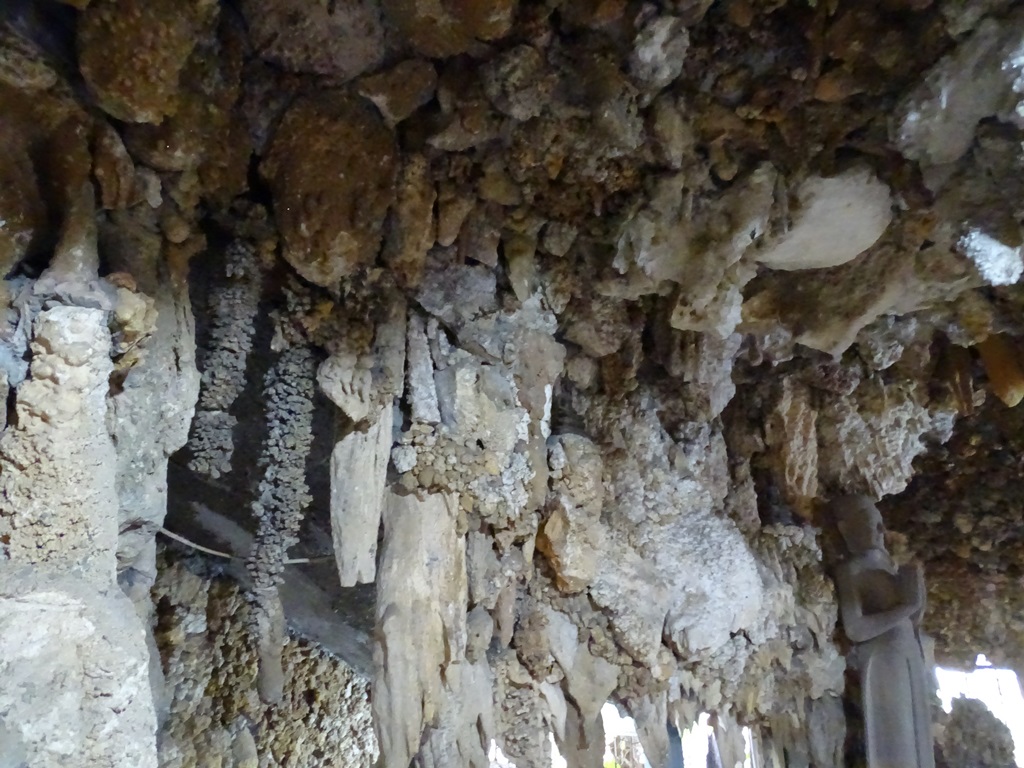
pixel 507 351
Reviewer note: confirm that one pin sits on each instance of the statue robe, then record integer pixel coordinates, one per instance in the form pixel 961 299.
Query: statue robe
pixel 894 688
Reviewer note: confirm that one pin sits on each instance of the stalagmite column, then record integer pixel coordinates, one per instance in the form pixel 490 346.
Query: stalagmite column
pixel 65 627
pixel 421 619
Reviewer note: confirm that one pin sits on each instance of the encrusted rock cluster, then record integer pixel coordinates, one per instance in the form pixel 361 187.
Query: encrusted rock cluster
pixel 281 503
pixel 232 329
pixel 212 710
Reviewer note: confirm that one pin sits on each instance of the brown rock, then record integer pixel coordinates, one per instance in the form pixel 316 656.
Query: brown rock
pixel 451 27
pixel 204 134
pixel 22 65
pixel 411 229
pixel 44 164
pixel 592 13
pixel 1002 364
pixel 453 206
pixel 331 169
pixel 401 90
pixel 343 38
pixel 835 86
pixel 21 206
pixel 113 169
pixel 131 53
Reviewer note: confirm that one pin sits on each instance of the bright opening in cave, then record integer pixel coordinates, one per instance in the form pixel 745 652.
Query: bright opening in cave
pixel 998 689
pixel 623 748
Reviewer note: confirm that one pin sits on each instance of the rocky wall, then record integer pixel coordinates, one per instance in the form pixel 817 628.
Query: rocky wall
pixel 554 322
pixel 211 710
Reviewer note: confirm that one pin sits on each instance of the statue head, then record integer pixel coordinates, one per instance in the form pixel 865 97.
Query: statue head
pixel 859 522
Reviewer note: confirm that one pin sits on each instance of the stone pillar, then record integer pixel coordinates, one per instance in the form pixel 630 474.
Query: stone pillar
pixel 74 667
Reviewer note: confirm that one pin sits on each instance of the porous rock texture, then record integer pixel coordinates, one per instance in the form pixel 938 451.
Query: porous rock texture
pixel 508 351
pixel 213 711
pixel 973 736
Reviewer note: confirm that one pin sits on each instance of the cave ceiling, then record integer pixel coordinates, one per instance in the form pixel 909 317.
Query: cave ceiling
pixel 527 340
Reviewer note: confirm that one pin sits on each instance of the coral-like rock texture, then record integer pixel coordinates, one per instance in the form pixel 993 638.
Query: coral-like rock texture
pixel 509 351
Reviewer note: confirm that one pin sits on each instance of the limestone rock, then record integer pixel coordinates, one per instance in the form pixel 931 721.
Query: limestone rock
pixel 974 736
pixel 835 220
pixel 521 714
pixel 650 713
pixel 867 443
pixel 517 82
pixel 331 168
pixel 453 206
pixel 61 415
pixel 660 51
pixel 132 53
pixel 410 229
pixel 583 743
pixel 346 377
pixel 359 465
pixel 421 593
pixel 792 435
pixel 341 39
pixel 213 712
pixel 996 262
pixel 114 169
pixel 398 92
pixel 589 679
pixel 713 279
pixel 704 363
pixel 149 417
pixel 600 326
pixel 572 537
pixel 87 649
pixel 451 28
pixel 422 391
pixel 936 122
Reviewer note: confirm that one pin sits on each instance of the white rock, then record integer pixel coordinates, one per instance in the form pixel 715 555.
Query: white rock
pixel 420 374
pixel 359 466
pixel 421 620
pixel 836 220
pixel 345 378
pixel 74 675
pixel 998 264
pixel 935 124
pixel 404 458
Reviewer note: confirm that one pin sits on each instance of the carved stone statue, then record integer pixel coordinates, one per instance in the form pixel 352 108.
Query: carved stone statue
pixel 881 607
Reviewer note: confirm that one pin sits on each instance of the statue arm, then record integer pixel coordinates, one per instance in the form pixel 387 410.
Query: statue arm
pixel 861 627
pixel 912 579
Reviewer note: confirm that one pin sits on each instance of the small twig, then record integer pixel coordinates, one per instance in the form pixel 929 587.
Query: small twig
pixel 200 547
pixel 293 561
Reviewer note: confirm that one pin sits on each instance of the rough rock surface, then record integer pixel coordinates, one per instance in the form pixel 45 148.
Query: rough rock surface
pixel 342 40
pixel 87 650
pixel 332 158
pixel 213 710
pixel 974 736
pixel 132 53
pixel 590 304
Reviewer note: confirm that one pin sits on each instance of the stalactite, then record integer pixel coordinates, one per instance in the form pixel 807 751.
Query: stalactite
pixel 234 312
pixel 281 502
